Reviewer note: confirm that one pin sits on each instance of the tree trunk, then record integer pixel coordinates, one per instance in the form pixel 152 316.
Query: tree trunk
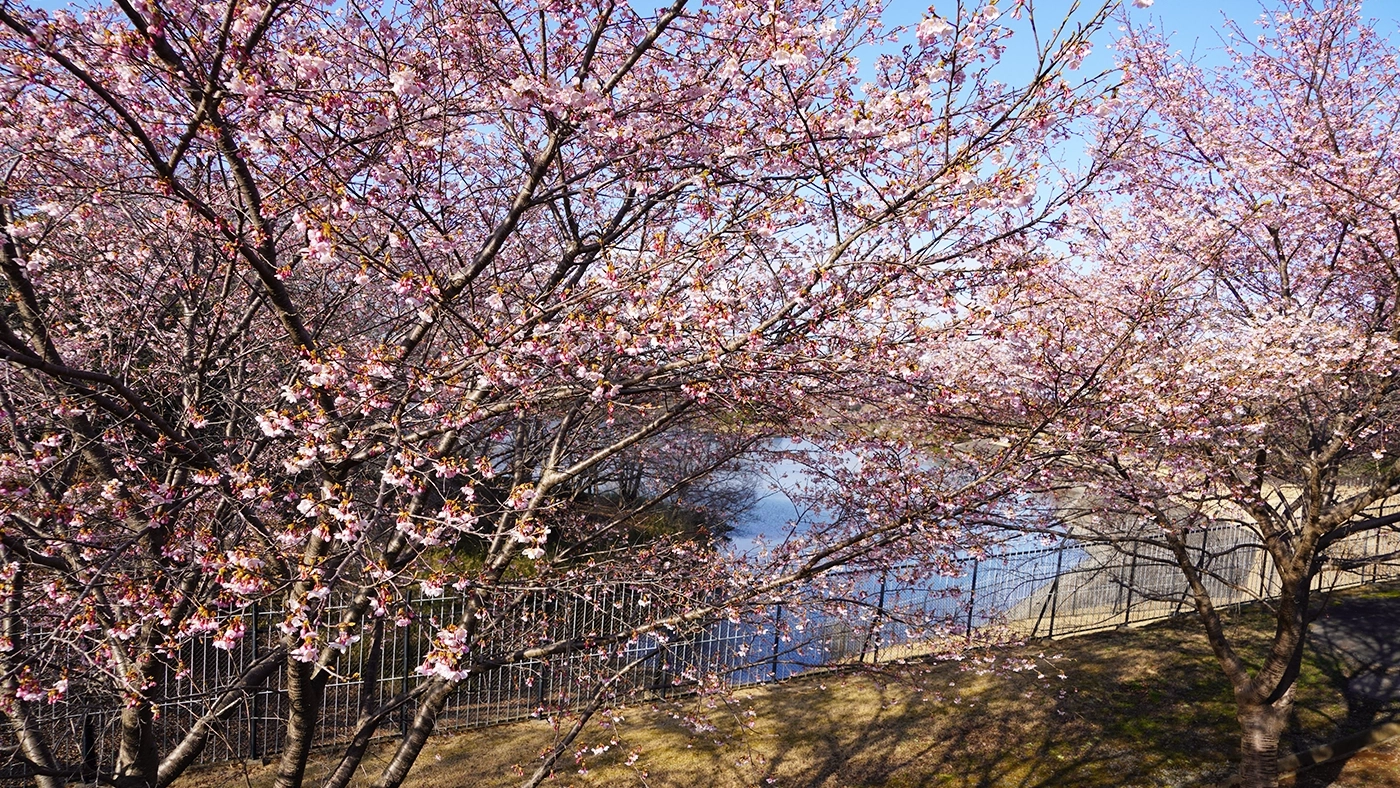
pixel 305 687
pixel 31 742
pixel 137 756
pixel 355 751
pixel 138 759
pixel 192 744
pixel 1261 727
pixel 412 744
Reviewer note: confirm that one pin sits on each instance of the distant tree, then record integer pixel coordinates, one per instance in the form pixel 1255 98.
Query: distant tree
pixel 297 297
pixel 1218 343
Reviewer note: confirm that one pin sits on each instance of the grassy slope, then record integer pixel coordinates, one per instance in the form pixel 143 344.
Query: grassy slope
pixel 1144 707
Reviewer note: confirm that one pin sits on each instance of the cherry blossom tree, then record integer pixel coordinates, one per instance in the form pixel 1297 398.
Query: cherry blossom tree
pixel 308 305
pixel 1218 343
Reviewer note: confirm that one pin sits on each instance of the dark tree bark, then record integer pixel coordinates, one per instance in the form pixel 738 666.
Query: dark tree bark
pixel 305 688
pixel 434 698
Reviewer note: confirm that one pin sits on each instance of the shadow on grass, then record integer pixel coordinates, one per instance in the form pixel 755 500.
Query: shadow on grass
pixel 1142 708
pixel 903 747
pixel 1355 645
pixel 1148 707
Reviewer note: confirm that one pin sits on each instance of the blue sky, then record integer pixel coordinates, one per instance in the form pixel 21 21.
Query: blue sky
pixel 1193 25
pixel 1193 22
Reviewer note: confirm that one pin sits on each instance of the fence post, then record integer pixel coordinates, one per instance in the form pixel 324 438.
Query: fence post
pixel 663 671
pixel 972 596
pixel 254 707
pixel 1132 580
pixel 879 617
pixel 1055 587
pixel 87 748
pixel 777 638
pixel 872 634
pixel 405 662
pixel 1375 559
pixel 1263 572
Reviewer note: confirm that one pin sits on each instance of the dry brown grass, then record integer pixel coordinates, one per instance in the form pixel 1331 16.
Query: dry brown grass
pixel 1378 767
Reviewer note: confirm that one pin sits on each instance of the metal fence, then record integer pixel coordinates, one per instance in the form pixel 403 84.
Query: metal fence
pixel 1056 591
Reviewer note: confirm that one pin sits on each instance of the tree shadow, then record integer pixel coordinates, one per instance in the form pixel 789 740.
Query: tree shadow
pixel 1355 645
pixel 900 746
pixel 1145 707
pixel 1112 722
